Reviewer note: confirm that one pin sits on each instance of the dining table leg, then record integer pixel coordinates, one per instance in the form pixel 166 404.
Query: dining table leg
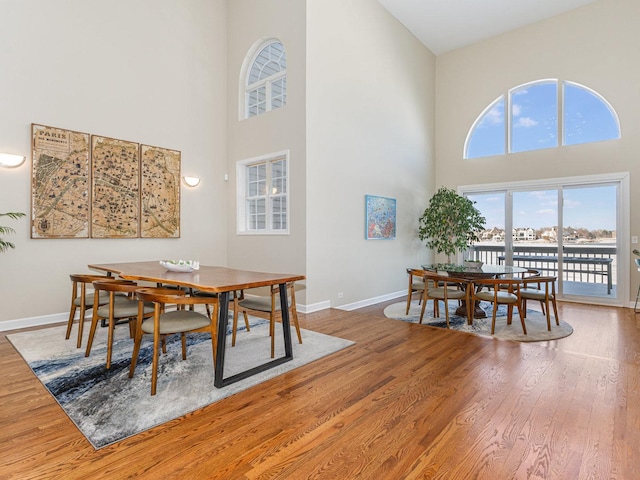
pixel 223 322
pixel 286 321
pixel 478 312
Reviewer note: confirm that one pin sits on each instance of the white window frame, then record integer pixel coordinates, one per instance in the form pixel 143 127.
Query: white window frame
pixel 508 115
pixel 622 220
pixel 267 83
pixel 242 222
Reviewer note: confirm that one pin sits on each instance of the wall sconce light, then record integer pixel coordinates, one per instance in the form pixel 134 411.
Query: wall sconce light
pixel 191 181
pixel 9 160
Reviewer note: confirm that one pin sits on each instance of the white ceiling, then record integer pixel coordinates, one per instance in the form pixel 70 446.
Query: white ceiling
pixel 444 25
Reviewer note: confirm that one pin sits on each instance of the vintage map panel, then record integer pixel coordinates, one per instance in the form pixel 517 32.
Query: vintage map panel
pixel 160 169
pixel 115 206
pixel 60 183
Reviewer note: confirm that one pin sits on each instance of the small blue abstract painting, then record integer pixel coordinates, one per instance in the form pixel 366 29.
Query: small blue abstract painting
pixel 380 218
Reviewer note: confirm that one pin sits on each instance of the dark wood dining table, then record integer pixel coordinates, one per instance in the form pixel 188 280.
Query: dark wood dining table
pixel 471 273
pixel 223 281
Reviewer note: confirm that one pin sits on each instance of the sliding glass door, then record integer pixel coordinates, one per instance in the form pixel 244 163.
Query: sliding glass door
pixel 589 240
pixel 566 229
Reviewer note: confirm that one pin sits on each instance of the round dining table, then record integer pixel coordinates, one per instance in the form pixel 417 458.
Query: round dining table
pixel 470 273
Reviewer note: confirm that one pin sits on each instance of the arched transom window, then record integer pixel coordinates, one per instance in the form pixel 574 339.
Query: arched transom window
pixel 542 114
pixel 266 82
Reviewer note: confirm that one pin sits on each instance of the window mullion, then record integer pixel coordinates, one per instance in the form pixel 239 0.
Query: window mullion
pixel 269 196
pixel 267 93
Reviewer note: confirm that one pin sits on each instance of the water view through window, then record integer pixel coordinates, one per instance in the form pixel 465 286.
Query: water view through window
pixel 568 232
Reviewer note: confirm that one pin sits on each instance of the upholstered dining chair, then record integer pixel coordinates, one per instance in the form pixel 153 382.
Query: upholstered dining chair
pixel 117 309
pixel 80 300
pixel 267 300
pixel 162 323
pixel 493 290
pixel 416 284
pixel 542 289
pixel 233 303
pixel 441 288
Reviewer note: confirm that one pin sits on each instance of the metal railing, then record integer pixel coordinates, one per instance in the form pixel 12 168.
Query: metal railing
pixel 589 271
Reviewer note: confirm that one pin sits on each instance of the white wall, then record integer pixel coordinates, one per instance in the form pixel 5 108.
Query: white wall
pixel 596 46
pixel 146 71
pixel 251 21
pixel 370 130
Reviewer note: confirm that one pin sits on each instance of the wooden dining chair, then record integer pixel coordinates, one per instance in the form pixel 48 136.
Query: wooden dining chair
pixel 440 288
pixel 542 289
pixel 267 300
pixel 81 302
pixel 416 285
pixel 233 304
pixel 118 309
pixel 492 290
pixel 162 323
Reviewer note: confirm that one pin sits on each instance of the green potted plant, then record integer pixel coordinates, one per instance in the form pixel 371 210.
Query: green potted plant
pixel 450 223
pixel 5 245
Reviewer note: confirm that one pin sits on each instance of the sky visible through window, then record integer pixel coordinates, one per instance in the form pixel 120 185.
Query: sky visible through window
pixel 592 208
pixel 535 112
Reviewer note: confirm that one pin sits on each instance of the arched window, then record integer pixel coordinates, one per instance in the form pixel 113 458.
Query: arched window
pixel 588 117
pixel 266 79
pixel 537 114
pixel 487 136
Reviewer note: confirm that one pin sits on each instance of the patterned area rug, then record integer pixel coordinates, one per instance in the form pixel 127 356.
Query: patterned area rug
pixel 536 322
pixel 108 406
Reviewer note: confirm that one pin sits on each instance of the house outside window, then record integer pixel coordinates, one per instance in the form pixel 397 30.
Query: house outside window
pixel 263 194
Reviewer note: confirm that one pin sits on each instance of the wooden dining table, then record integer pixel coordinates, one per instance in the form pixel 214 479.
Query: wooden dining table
pixel 471 273
pixel 223 281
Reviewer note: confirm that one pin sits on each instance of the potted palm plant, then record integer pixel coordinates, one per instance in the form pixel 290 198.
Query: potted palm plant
pixel 6 245
pixel 451 223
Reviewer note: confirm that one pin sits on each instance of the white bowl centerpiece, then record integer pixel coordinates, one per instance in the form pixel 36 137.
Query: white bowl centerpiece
pixel 185 266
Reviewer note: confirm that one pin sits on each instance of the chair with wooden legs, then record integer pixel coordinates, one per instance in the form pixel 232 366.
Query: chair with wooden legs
pixel 82 302
pixel 267 300
pixel 118 309
pixel 493 290
pixel 416 284
pixel 444 288
pixel 233 303
pixel 542 289
pixel 163 323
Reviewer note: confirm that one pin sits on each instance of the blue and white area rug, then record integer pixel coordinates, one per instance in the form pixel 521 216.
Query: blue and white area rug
pixel 535 322
pixel 108 406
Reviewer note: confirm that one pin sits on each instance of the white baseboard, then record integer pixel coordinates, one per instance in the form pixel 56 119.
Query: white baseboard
pixel 314 307
pixel 33 321
pixel 372 301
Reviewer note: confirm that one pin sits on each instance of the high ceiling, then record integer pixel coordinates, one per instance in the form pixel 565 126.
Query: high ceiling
pixel 444 25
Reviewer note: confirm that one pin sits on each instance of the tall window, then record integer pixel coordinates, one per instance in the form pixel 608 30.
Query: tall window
pixel 537 115
pixel 266 82
pixel 263 194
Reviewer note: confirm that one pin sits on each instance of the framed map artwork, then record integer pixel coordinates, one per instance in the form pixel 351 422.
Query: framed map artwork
pixel 160 210
pixel 115 189
pixel 380 218
pixel 59 183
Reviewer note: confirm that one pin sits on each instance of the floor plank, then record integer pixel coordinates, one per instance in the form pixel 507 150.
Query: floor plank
pixel 407 401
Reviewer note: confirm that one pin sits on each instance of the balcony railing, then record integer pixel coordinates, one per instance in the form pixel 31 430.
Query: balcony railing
pixel 582 263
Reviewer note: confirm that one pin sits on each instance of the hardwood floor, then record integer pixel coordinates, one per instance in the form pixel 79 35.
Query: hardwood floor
pixel 406 402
